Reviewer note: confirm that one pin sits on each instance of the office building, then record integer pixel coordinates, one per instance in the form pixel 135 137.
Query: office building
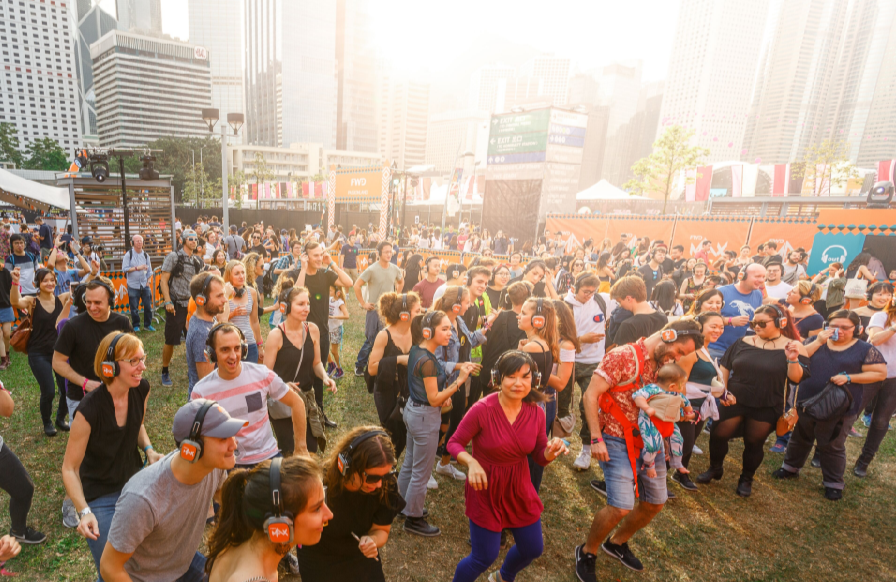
pixel 712 69
pixel 452 134
pixel 39 82
pixel 298 162
pixel 543 79
pixel 216 25
pixel 619 87
pixel 290 72
pixel 93 22
pixel 491 88
pixel 356 78
pixel 148 88
pixel 347 158
pixel 402 115
pixel 144 16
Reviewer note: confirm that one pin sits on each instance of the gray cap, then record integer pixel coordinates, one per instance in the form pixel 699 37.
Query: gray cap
pixel 188 233
pixel 217 422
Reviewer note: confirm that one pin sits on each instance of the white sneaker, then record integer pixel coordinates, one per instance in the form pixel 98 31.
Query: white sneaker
pixel 583 461
pixel 432 483
pixel 451 471
pixel 697 450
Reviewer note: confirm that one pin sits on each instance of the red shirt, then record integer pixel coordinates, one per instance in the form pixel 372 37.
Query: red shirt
pixel 619 366
pixel 426 290
pixel 502 448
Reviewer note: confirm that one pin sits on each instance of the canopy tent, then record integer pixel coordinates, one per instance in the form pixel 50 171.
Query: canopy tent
pixel 29 195
pixel 603 190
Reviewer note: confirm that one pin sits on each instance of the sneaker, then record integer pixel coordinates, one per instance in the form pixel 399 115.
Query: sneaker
pixel 69 515
pixel 854 433
pixel 330 367
pixel 697 450
pixel 622 553
pixel 420 527
pixel 783 473
pixel 166 379
pixel 866 420
pixel 585 565
pixel 290 562
pixel 860 470
pixel 450 471
pixel 31 536
pixel 583 461
pixel 136 329
pixel 599 486
pixel 339 373
pixel 816 462
pixel 359 372
pixel 684 480
pixel 778 447
pixel 63 426
pixel 830 494
pixel 49 429
pixel 495 577
pixel 402 516
pixel 149 328
pixel 432 483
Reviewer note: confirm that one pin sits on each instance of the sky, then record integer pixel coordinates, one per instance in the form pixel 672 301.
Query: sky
pixel 591 32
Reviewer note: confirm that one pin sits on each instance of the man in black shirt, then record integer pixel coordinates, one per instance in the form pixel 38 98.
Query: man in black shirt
pixel 674 260
pixel 535 273
pixel 318 272
pixel 652 272
pixel 631 294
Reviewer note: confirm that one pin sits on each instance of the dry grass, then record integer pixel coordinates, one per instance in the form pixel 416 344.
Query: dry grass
pixel 785 531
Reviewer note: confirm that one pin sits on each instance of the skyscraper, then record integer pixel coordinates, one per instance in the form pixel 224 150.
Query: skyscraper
pixel 711 72
pixel 544 78
pixel 140 15
pixel 356 78
pixel 39 82
pixel 402 114
pixel 492 87
pixel 290 71
pixel 215 25
pixel 453 133
pixel 93 22
pixel 619 86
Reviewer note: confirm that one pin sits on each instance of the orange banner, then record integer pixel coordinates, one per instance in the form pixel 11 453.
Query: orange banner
pixel 360 183
pixel 857 217
pixel 725 234
pixel 446 258
pixel 597 228
pixel 789 234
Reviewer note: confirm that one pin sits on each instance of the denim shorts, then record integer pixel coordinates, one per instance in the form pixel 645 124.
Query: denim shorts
pixel 7 315
pixel 618 475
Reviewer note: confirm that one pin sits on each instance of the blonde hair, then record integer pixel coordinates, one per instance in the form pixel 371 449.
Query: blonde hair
pixel 250 261
pixel 283 283
pixel 810 290
pixel 127 346
pixel 229 268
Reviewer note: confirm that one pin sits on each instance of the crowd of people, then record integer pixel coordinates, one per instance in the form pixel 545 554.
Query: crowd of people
pixel 662 347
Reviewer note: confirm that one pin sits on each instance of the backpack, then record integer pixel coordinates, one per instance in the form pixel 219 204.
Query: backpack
pixel 178 269
pixel 146 258
pixel 267 282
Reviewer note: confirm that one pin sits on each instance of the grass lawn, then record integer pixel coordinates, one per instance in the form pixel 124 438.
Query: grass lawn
pixel 785 531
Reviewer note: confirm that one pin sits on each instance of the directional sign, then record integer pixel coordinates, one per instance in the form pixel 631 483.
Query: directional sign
pixel 567 140
pixel 516 123
pixel 517 144
pixel 558 129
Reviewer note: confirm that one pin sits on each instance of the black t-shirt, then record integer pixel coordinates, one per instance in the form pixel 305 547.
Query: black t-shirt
pixel 538 290
pixel 259 248
pixel 79 339
pixel 504 335
pixel 111 457
pixel 350 254
pixel 638 326
pixel 46 235
pixel 651 277
pixel 757 376
pixel 318 286
pixel 336 556
pixel 5 287
pixel 668 265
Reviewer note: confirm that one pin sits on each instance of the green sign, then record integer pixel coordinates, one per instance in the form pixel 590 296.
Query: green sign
pixel 515 123
pixel 517 144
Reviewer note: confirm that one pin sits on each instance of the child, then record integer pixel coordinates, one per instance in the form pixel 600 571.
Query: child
pixel 281 288
pixel 670 379
pixel 338 314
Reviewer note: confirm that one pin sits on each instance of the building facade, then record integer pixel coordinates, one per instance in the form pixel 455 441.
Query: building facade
pixel 356 128
pixel 544 78
pixel 491 88
pixel 92 23
pixel 39 82
pixel 402 115
pixel 143 16
pixel 298 162
pixel 451 134
pixel 148 88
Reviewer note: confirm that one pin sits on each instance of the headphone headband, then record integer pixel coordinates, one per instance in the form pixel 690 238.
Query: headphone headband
pixel 110 352
pixel 276 498
pixel 196 429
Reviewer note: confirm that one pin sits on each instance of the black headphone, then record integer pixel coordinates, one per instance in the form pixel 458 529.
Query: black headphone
pixel 404 315
pixel 110 366
pixel 538 320
pixel 202 298
pixel 286 305
pixel 497 377
pixel 238 293
pixel 191 447
pixel 105 286
pixel 278 524
pixel 344 459
pixel 210 342
pixel 781 320
pixel 428 331
pixel 807 299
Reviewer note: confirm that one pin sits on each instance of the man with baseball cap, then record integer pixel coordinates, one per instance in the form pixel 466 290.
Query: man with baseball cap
pixel 161 513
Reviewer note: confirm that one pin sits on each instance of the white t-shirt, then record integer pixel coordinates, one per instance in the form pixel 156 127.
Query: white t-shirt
pixel 246 397
pixel 778 291
pixel 888 348
pixel 335 324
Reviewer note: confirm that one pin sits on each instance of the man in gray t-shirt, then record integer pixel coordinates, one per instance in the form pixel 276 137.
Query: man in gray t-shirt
pixel 380 277
pixel 160 516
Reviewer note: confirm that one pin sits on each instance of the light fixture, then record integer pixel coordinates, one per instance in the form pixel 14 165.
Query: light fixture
pixel 210 117
pixel 99 166
pixel 235 121
pixel 880 195
pixel 147 172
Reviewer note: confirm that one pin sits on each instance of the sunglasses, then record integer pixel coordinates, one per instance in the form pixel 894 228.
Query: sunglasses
pixel 759 324
pixel 191 239
pixel 373 479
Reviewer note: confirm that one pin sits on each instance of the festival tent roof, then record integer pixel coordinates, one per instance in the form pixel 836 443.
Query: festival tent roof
pixel 603 190
pixel 30 195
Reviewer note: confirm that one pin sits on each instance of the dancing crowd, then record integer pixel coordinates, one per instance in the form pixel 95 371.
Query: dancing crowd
pixel 469 366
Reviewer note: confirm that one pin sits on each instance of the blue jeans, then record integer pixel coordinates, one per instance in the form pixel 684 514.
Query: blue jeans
pixel 621 482
pixel 104 510
pixel 372 326
pixel 196 573
pixel 536 471
pixel 529 544
pixel 134 297
pixel 252 356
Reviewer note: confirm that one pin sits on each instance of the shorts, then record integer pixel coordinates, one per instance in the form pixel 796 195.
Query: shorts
pixel 336 337
pixel 7 315
pixel 621 485
pixel 767 414
pixel 175 324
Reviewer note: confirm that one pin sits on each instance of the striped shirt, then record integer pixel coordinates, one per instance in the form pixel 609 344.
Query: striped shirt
pixel 246 397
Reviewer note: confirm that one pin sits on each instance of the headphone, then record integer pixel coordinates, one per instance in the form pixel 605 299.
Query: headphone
pixel 191 447
pixel 239 292
pixel 110 366
pixel 40 274
pixel 344 459
pixel 538 320
pixel 455 307
pixel 210 342
pixel 671 335
pixel 202 298
pixel 105 286
pixel 428 331
pixel 497 377
pixel 278 524
pixel 743 271
pixel 781 320
pixel 404 315
pixel 807 299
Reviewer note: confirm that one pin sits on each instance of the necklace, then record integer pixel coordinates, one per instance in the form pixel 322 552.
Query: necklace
pixel 771 341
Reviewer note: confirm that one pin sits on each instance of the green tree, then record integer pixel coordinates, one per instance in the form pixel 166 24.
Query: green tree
pixel 824 166
pixel 236 181
pixel 262 173
pixel 46 154
pixel 9 144
pixel 671 154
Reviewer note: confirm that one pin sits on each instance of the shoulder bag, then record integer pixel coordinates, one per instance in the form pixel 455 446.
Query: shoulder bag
pixel 831 403
pixel 19 339
pixel 787 421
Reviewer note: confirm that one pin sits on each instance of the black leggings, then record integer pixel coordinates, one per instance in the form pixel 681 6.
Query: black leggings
pixel 689 433
pixel 16 481
pixel 49 382
pixel 753 424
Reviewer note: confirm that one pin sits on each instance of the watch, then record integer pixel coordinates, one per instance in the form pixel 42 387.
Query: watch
pixel 85 511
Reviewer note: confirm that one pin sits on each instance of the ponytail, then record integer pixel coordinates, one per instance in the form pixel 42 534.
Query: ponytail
pixel 233 527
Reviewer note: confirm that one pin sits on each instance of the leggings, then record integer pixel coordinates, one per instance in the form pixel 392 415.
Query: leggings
pixel 753 424
pixel 529 544
pixel 42 369
pixel 14 479
pixel 882 397
pixel 689 433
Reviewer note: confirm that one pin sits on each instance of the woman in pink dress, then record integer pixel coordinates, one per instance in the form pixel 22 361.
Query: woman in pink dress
pixel 505 427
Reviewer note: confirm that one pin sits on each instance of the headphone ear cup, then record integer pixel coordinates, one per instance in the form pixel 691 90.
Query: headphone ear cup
pixel 191 450
pixel 211 355
pixel 496 378
pixel 200 300
pixel 538 321
pixel 244 351
pixel 110 369
pixel 455 308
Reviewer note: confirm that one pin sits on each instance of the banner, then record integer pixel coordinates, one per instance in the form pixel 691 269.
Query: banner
pixel 358 184
pixel 725 234
pixel 834 248
pixel 790 234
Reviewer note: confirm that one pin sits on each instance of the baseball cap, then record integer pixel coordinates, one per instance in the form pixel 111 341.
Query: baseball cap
pixel 188 233
pixel 217 422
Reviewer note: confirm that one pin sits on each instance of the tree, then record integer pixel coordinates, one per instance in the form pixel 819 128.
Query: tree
pixel 46 154
pixel 236 181
pixel 262 173
pixel 824 166
pixel 199 186
pixel 9 144
pixel 671 154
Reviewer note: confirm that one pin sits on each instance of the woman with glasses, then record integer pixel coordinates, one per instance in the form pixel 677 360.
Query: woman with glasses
pixel 107 434
pixel 242 299
pixel 362 493
pixel 497 285
pixel 755 370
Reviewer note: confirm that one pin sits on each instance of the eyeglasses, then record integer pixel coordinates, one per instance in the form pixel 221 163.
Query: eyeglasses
pixel 841 327
pixel 759 324
pixel 373 479
pixel 136 361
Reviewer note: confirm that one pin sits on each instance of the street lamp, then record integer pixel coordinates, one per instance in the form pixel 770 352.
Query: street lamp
pixel 235 120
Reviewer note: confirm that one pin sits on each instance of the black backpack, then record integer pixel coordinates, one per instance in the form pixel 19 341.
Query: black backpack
pixel 267 281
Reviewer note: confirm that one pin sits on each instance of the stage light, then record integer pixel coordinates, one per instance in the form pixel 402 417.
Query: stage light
pixel 99 166
pixel 147 172
pixel 880 195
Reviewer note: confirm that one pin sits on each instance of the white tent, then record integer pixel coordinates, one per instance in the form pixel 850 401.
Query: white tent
pixel 30 195
pixel 603 190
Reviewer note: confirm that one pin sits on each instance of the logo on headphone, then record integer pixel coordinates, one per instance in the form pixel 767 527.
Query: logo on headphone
pixel 669 335
pixel 278 534
pixel 108 370
pixel 188 451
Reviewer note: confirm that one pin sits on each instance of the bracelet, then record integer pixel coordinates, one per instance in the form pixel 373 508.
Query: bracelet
pixel 729 321
pixel 793 361
pixel 848 378
pixel 146 448
pixel 84 385
pixel 595 440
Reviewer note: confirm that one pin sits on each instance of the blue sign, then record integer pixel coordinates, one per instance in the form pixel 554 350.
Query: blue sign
pixel 834 248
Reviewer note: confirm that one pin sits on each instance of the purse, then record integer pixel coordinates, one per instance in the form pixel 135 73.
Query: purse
pixel 787 421
pixel 19 340
pixel 832 402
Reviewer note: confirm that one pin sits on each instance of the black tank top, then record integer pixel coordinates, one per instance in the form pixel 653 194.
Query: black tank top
pixel 43 328
pixel 545 362
pixel 401 372
pixel 288 360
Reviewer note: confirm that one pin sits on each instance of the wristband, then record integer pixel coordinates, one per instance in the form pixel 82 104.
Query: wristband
pixel 848 378
pixel 729 321
pixel 84 385
pixel 793 361
pixel 260 344
pixel 146 448
pixel 595 440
